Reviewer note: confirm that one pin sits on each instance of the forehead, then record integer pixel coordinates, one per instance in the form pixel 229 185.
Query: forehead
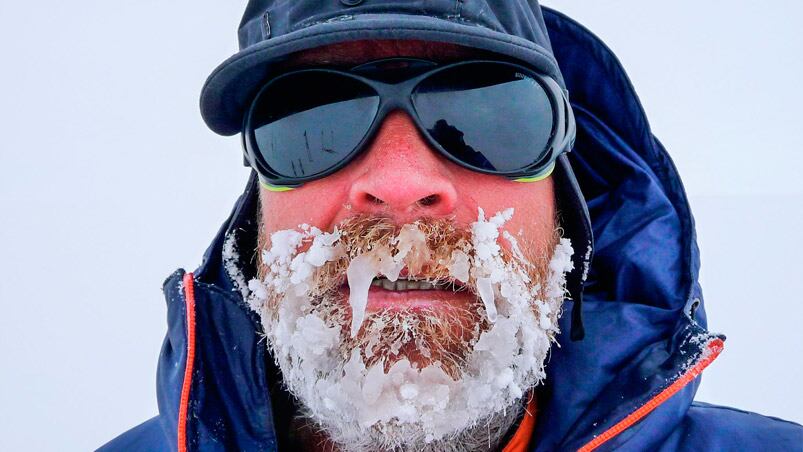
pixel 355 52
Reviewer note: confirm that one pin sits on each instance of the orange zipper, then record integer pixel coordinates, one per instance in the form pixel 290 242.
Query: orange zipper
pixel 714 346
pixel 189 296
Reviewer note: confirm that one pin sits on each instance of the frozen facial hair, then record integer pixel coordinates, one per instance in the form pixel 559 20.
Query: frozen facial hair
pixel 417 379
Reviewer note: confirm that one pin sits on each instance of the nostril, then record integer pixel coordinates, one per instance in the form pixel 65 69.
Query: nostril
pixel 429 200
pixel 371 199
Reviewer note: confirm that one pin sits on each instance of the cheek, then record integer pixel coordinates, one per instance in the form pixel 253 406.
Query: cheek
pixel 533 204
pixel 324 202
pixel 316 204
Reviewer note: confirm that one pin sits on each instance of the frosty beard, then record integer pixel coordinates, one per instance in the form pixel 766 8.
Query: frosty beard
pixel 452 377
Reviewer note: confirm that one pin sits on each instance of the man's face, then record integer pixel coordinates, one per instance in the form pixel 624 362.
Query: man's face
pixel 399 175
pixel 391 364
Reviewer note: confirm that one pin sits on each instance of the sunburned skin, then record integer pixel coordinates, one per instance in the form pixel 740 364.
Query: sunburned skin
pixel 399 177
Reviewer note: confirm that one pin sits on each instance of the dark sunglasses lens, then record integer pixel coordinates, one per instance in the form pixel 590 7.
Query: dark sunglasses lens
pixel 490 116
pixel 307 123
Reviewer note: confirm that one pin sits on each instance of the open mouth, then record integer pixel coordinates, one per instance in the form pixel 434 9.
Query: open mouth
pixel 407 293
pixel 402 284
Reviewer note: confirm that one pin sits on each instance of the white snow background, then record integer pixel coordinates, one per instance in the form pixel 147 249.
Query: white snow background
pixel 109 180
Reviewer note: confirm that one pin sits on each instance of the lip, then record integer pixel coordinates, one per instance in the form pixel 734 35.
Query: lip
pixel 383 299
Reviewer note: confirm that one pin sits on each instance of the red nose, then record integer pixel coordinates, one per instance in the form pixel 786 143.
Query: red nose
pixel 401 176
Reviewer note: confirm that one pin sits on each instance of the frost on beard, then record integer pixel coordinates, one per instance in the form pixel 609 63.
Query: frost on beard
pixel 349 398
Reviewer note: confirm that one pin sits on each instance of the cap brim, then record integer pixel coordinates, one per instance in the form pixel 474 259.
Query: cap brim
pixel 228 90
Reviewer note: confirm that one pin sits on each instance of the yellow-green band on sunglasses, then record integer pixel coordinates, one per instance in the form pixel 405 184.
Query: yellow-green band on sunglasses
pixel 542 176
pixel 276 188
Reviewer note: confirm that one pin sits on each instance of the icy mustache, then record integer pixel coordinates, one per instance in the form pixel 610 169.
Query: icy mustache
pixel 474 259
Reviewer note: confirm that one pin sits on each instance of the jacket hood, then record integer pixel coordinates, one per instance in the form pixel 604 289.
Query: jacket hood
pixel 643 311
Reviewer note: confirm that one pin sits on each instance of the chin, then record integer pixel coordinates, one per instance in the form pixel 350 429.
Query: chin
pixel 420 344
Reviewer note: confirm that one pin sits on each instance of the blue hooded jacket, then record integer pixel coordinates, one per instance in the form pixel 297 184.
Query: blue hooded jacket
pixel 627 386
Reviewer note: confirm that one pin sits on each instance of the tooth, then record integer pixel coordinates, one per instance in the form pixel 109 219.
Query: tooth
pixel 401 285
pixel 376 283
pixel 425 285
pixel 387 285
pixel 412 285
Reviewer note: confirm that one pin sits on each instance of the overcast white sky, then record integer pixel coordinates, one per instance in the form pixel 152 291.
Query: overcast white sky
pixel 109 181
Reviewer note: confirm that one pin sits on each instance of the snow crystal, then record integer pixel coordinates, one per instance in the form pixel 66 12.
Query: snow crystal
pixel 459 266
pixel 230 259
pixel 390 266
pixel 586 261
pixel 514 247
pixel 486 292
pixel 324 248
pixel 412 247
pixel 373 384
pixel 284 244
pixel 300 269
pixel 408 391
pixel 258 294
pixel 702 340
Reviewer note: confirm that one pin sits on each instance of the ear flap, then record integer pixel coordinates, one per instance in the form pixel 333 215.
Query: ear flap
pixel 576 224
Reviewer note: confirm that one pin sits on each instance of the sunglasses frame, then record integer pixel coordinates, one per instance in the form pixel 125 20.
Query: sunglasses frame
pixel 393 96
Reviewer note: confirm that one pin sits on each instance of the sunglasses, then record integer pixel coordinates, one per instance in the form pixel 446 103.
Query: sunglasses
pixel 492 117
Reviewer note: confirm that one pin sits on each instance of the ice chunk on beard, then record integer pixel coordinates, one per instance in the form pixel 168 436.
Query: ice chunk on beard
pixel 364 247
pixel 427 250
pixel 409 248
pixel 334 384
